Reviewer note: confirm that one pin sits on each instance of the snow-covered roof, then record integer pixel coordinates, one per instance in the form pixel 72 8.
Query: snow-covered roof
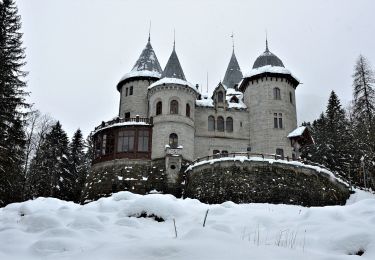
pixel 269 69
pixel 119 124
pixel 297 132
pixel 173 81
pixel 207 102
pixel 142 73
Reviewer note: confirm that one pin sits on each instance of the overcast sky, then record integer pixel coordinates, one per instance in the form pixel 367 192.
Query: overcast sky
pixel 77 50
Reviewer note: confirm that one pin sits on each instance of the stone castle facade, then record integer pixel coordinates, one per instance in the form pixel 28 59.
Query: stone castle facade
pixel 162 116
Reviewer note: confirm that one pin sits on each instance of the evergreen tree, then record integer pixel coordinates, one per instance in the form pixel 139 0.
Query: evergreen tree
pixel 12 104
pixel 332 138
pixel 50 174
pixel 77 164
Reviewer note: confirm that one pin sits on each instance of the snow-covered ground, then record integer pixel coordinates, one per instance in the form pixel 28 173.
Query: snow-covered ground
pixel 48 228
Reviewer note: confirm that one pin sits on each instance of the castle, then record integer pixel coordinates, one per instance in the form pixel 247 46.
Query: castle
pixel 165 126
pixel 164 116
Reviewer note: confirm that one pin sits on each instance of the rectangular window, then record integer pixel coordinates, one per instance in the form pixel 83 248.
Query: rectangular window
pixel 291 97
pixel 275 125
pixel 280 120
pixel 126 141
pixel 277 120
pixel 131 91
pixel 143 137
pixel 126 92
pixel 104 144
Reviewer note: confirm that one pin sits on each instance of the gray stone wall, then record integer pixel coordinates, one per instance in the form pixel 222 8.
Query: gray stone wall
pixel 258 97
pixel 136 104
pixel 167 123
pixel 262 182
pixel 207 141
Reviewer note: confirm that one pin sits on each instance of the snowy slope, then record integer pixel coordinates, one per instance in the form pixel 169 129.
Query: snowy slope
pixel 48 228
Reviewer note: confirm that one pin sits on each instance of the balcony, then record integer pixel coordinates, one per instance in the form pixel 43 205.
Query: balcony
pixel 118 120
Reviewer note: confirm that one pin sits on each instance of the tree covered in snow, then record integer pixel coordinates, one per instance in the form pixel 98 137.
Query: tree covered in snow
pixel 78 163
pixel 331 134
pixel 363 118
pixel 12 104
pixel 345 141
pixel 50 172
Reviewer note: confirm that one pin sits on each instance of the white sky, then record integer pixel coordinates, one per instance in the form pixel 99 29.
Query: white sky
pixel 77 50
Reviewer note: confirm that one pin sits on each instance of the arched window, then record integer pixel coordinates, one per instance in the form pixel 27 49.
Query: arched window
pixel 173 140
pixel 229 124
pixel 220 97
pixel 174 107
pixel 220 124
pixel 159 108
pixel 276 94
pixel 187 110
pixel 211 123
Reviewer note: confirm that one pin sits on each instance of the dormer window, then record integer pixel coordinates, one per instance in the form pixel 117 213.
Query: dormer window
pixel 220 97
pixel 234 99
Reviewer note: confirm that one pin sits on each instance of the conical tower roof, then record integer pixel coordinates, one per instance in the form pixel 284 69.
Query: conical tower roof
pixel 148 60
pixel 147 65
pixel 233 75
pixel 173 68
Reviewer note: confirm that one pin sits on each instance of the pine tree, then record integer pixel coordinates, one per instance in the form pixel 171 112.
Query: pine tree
pixel 12 104
pixel 77 164
pixel 337 127
pixel 332 138
pixel 50 174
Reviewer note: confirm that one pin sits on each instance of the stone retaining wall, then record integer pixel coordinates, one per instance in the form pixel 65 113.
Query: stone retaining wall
pixel 263 182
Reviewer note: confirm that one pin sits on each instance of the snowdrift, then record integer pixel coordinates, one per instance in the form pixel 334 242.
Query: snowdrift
pixel 130 226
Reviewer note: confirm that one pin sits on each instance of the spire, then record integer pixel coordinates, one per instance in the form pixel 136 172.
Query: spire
pixel 149 33
pixel 174 39
pixel 147 60
pixel 232 41
pixel 233 75
pixel 266 42
pixel 173 68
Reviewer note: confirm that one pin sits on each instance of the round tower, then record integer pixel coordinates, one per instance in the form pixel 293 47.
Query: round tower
pixel 269 93
pixel 133 85
pixel 172 106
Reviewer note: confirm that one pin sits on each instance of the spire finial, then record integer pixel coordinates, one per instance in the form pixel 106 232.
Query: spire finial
pixel 149 32
pixel 232 35
pixel 174 39
pixel 267 42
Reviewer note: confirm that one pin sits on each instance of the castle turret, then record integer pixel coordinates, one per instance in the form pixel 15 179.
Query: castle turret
pixel 172 105
pixel 269 93
pixel 133 85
